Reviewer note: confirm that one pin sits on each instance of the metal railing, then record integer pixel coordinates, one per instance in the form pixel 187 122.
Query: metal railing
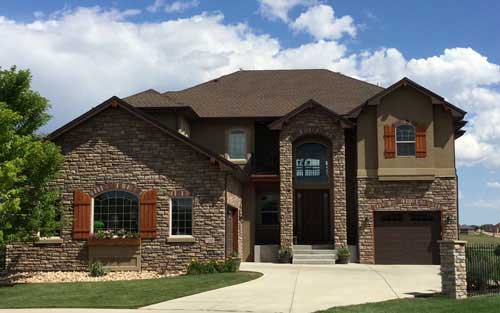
pixel 483 269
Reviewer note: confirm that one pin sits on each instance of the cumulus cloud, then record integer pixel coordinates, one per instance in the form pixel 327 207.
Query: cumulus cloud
pixel 83 56
pixel 321 23
pixel 174 7
pixel 279 9
pixel 493 184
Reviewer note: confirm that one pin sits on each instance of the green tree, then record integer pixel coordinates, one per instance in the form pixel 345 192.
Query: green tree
pixel 29 201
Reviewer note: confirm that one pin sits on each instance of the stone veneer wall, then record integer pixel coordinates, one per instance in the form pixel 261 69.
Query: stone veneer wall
pixel 311 123
pixel 116 147
pixel 374 195
pixel 453 268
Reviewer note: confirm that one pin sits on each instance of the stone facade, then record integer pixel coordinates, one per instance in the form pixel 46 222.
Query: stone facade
pixel 374 195
pixel 453 268
pixel 115 147
pixel 313 123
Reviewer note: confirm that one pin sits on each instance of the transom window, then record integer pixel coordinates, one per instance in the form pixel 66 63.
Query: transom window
pixel 182 216
pixel 116 210
pixel 311 162
pixel 269 208
pixel 237 144
pixel 405 140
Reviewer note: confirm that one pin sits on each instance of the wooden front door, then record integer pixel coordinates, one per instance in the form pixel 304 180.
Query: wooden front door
pixel 312 216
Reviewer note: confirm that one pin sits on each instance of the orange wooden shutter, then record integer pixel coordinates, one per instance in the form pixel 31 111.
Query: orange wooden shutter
pixel 148 214
pixel 420 142
pixel 81 214
pixel 389 141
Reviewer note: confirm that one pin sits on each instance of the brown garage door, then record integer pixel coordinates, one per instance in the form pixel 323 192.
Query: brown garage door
pixel 407 237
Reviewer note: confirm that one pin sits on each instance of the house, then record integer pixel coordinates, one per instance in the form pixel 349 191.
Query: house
pixel 467 229
pixel 253 161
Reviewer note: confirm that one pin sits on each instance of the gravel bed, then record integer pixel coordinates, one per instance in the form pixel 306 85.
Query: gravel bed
pixel 67 277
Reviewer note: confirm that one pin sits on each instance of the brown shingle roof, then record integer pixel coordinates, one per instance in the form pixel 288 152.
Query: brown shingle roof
pixel 149 98
pixel 268 93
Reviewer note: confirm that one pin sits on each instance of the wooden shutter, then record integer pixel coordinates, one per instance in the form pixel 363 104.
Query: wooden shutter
pixel 420 142
pixel 148 214
pixel 389 141
pixel 81 214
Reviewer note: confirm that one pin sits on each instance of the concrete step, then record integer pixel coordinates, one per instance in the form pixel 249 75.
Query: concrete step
pixel 313 261
pixel 309 247
pixel 310 251
pixel 297 256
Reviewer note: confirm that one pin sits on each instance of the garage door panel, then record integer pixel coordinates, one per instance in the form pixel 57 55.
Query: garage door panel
pixel 407 237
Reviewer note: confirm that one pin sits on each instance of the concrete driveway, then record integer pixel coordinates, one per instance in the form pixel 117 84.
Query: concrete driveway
pixel 308 288
pixel 297 288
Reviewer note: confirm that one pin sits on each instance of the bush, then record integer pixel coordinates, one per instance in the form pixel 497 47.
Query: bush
pixel 343 252
pixel 96 269
pixel 212 266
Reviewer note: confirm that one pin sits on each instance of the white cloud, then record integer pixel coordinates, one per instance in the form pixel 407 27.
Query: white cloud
pixel 181 6
pixel 321 23
pixel 158 4
pixel 493 184
pixel 279 9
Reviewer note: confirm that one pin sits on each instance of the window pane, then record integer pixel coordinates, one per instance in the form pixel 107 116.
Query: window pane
pixel 269 208
pixel 311 162
pixel 237 144
pixel 406 149
pixel 117 210
pixel 182 220
pixel 405 133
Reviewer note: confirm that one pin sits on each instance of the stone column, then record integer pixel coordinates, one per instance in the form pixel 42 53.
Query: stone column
pixel 339 204
pixel 286 192
pixel 453 268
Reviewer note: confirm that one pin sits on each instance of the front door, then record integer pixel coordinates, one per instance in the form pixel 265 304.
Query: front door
pixel 312 215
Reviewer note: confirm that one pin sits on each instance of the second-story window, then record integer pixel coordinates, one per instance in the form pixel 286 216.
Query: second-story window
pixel 405 140
pixel 311 162
pixel 237 143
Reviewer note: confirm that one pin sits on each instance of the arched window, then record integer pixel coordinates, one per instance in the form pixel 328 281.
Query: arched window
pixel 311 162
pixel 405 140
pixel 116 210
pixel 237 143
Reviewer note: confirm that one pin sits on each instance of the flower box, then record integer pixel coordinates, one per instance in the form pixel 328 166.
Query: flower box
pixel 114 242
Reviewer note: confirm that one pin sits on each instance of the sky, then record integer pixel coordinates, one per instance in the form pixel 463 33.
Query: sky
pixel 81 53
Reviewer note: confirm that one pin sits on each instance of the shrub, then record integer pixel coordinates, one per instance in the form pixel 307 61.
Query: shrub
pixel 212 266
pixel 343 252
pixel 96 269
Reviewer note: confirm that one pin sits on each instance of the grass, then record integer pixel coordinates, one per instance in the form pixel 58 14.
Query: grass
pixel 116 294
pixel 480 238
pixel 428 305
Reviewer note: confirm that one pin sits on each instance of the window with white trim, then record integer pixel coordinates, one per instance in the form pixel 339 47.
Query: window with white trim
pixel 405 140
pixel 237 144
pixel 182 216
pixel 116 210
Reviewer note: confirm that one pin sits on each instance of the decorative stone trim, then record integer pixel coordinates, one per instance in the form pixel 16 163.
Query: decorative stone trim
pixel 185 239
pixel 181 193
pixel 115 186
pixel 453 268
pixel 49 241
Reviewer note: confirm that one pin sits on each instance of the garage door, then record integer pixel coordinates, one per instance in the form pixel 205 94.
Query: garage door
pixel 407 237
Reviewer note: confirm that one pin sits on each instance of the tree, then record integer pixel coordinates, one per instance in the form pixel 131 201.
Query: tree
pixel 29 199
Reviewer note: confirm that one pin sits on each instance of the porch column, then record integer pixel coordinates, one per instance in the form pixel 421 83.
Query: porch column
pixel 286 192
pixel 339 204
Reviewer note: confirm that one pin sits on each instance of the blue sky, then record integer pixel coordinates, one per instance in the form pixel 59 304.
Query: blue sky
pixel 82 52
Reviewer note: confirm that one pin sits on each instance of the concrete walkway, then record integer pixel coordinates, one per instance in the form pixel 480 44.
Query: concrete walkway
pixel 299 288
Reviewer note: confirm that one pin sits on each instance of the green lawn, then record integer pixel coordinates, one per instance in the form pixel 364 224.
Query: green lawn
pixel 480 238
pixel 117 294
pixel 426 305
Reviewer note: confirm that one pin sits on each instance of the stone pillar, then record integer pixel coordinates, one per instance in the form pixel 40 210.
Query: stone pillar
pixel 286 192
pixel 453 268
pixel 338 200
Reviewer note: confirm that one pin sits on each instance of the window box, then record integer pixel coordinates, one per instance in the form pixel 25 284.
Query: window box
pixel 114 242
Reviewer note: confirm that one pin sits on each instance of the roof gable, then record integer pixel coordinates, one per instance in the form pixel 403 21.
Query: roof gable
pixel 278 124
pixel 115 102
